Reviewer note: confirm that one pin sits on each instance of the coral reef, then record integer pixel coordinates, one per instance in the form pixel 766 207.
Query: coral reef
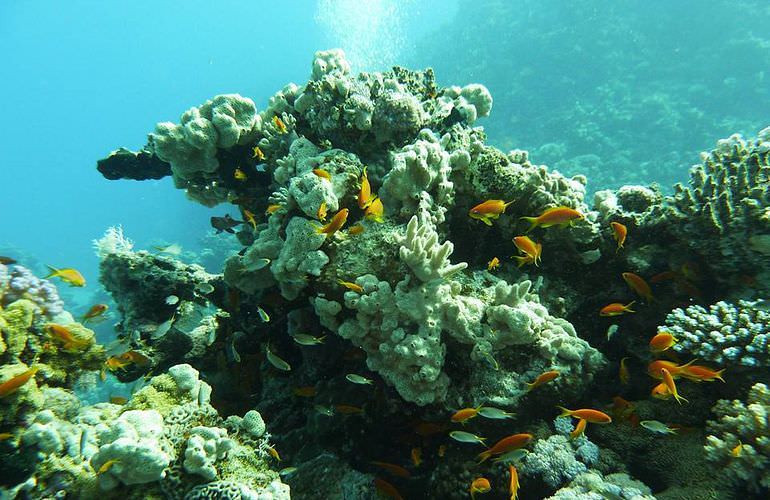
pixel 19 282
pixel 347 325
pixel 165 305
pixel 167 440
pixel 734 335
pixel 727 203
pixel 739 439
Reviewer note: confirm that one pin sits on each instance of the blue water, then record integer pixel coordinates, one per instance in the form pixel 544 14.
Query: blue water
pixel 618 91
pixel 82 78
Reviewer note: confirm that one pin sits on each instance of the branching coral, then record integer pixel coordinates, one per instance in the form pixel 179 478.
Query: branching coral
pixel 727 334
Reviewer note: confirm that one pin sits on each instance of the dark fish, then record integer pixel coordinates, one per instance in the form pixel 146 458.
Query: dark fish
pixel 225 223
pixel 7 260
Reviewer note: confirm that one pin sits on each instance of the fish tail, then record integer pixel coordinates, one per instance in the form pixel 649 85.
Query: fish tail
pixel 532 223
pixel 628 306
pixel 505 205
pixel 678 397
pixel 718 375
pixel 530 386
pixel 522 260
pixel 564 411
pixel 53 272
pixel 483 456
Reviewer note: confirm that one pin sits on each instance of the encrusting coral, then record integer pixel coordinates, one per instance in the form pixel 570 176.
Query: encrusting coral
pixel 166 440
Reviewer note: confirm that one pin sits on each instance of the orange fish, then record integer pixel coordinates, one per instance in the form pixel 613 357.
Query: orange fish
pixel 135 357
pixel 531 250
pixel 660 391
pixel 278 123
pixel 250 218
pixel 335 224
pixel 653 369
pixel 493 264
pixel 273 453
pixel 65 336
pixel 375 210
pixel 462 416
pixel 394 469
pixel 698 373
pixel 95 312
pixel 616 309
pixel 589 414
pixel 307 391
pixel 619 232
pixel 639 286
pixel 6 435
pixel 256 152
pixel 557 216
pixel 14 383
pixel 479 485
pixel 271 209
pixel 513 489
pixel 488 211
pixel 322 212
pixel 356 229
pixel 351 286
pixel 387 489
pixel 621 407
pixel 543 378
pixel 69 275
pixel 508 443
pixel 348 410
pixel 623 374
pixel 113 363
pixel 579 429
pixel 416 456
pixel 323 174
pixel 365 196
pixel 671 385
pixel 664 276
pixel 662 342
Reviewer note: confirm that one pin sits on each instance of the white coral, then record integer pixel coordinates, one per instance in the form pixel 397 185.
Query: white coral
pixel 421 251
pixel 113 241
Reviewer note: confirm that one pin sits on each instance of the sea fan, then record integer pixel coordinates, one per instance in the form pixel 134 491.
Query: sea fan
pixel 113 241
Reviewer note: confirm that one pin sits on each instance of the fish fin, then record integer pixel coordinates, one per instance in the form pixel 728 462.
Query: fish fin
pixel 483 456
pixel 53 272
pixel 564 411
pixel 522 260
pixel 505 205
pixel 486 221
pixel 718 375
pixel 627 307
pixel 530 386
pixel 532 223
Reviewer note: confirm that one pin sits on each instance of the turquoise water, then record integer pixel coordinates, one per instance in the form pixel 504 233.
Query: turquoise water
pixel 607 93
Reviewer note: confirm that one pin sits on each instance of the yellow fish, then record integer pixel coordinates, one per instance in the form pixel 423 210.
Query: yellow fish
pixel 493 264
pixel 351 286
pixel 323 174
pixel 375 210
pixel 256 152
pixel 68 275
pixel 240 175
pixel 321 214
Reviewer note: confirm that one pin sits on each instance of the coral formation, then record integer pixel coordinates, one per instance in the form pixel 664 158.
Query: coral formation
pixel 727 334
pixel 166 440
pixel 360 303
pixel 739 439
